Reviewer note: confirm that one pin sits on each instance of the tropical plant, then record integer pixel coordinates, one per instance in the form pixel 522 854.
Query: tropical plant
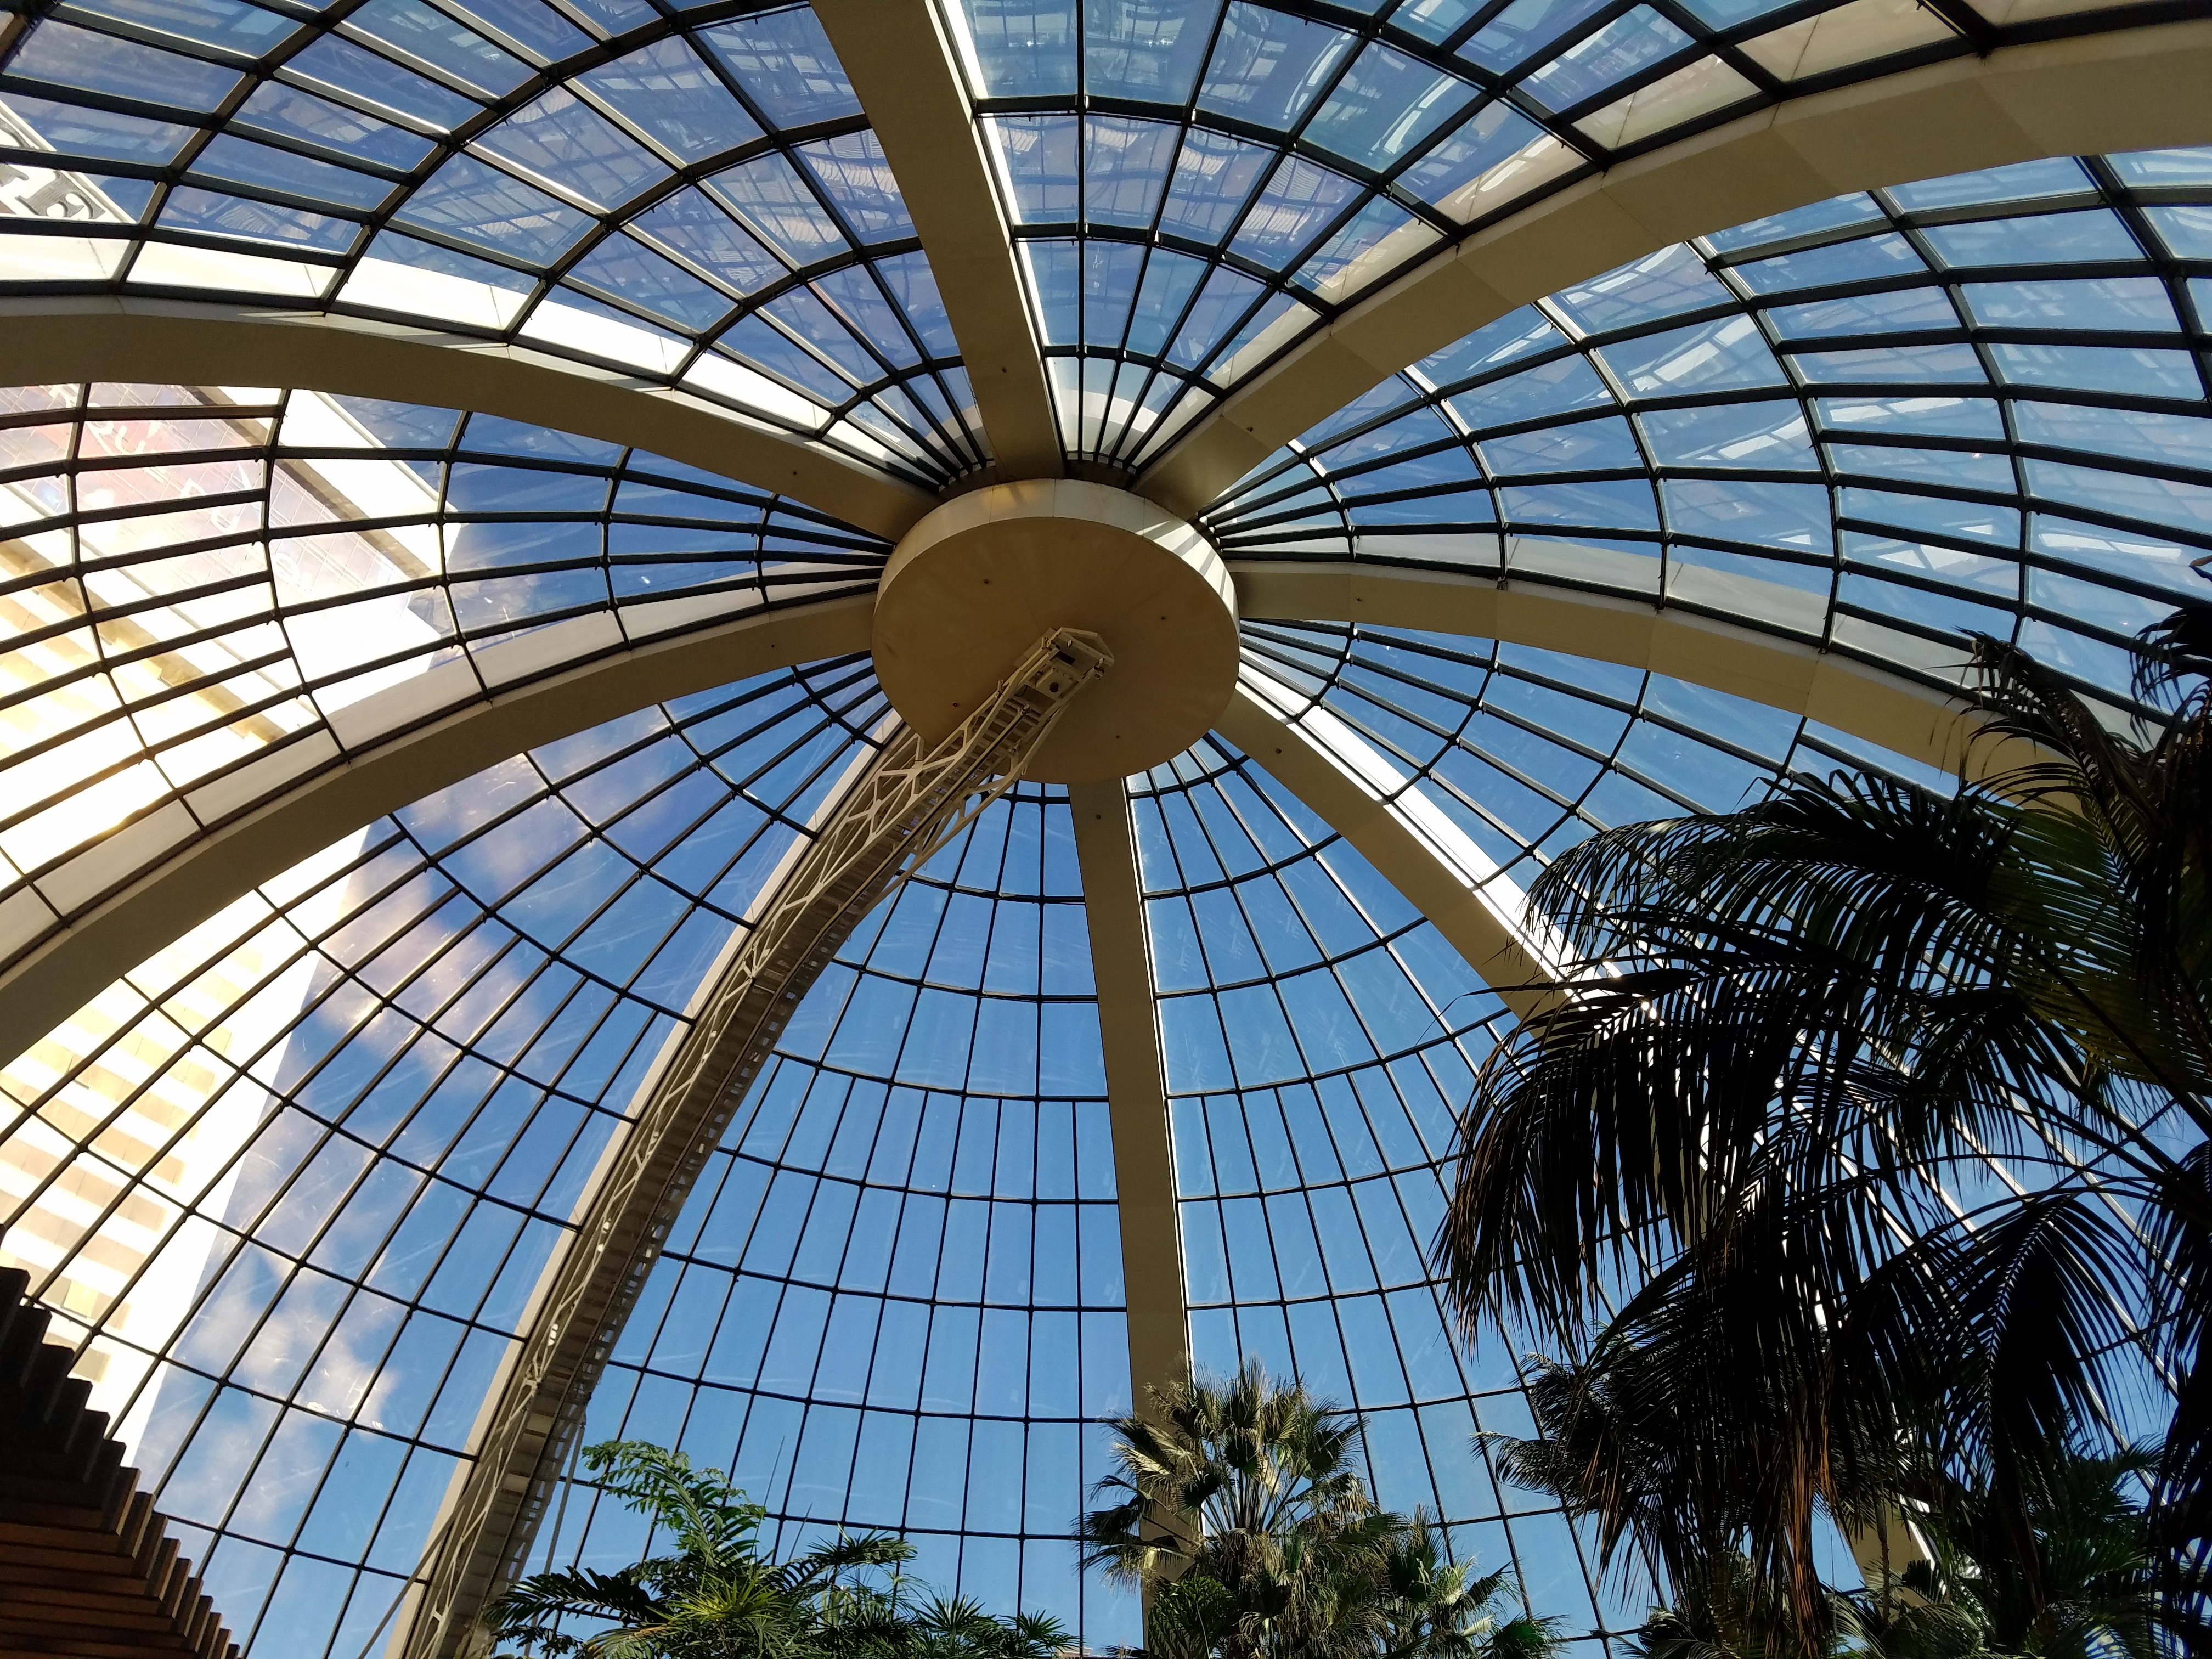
pixel 1753 1122
pixel 717 1596
pixel 1944 1578
pixel 1238 1509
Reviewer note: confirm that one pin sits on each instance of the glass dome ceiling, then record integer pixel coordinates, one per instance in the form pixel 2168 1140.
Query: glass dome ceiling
pixel 542 691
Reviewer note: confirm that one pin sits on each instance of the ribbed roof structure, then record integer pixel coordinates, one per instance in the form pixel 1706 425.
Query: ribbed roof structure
pixel 451 451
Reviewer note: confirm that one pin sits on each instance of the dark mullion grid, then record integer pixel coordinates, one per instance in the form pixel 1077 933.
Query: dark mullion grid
pixel 500 1071
pixel 399 929
pixel 107 661
pixel 494 110
pixel 1808 394
pixel 1389 1176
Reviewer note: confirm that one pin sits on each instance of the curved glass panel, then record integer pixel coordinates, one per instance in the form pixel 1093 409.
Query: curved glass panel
pixel 294 1181
pixel 214 593
pixel 1199 184
pixel 1877 424
pixel 290 1183
pixel 696 201
pixel 895 1299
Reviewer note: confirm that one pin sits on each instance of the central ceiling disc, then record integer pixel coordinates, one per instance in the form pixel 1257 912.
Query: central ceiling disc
pixel 974 585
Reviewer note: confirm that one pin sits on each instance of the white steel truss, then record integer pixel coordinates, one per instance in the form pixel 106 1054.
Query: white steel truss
pixel 902 808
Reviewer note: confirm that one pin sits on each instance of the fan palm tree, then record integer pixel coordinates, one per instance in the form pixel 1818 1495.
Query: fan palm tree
pixel 1238 1508
pixel 718 1597
pixel 1752 1125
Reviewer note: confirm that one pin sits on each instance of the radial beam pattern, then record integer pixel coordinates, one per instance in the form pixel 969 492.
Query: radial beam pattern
pixel 287 1167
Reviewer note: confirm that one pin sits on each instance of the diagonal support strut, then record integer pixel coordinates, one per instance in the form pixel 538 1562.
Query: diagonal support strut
pixel 904 806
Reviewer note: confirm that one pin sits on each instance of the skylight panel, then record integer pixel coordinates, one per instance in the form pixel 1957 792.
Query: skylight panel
pixel 286 112
pixel 213 213
pixel 540 30
pixel 1036 157
pixel 688 223
pixel 1767 435
pixel 1267 67
pixel 1885 255
pixel 775 202
pixel 784 62
pixel 2129 370
pixel 1486 161
pixel 1214 174
pixel 1126 164
pixel 2048 238
pixel 1145 49
pixel 1834 214
pixel 354 73
pixel 2058 176
pixel 1601 61
pixel 1020 48
pixel 76 130
pixel 1518 32
pixel 231 27
pixel 1552 388
pixel 63 55
pixel 853 174
pixel 2186 231
pixel 619 269
pixel 431 38
pixel 667 92
pixel 1385 107
pixel 474 203
pixel 1299 201
pixel 564 142
pixel 239 161
pixel 1661 284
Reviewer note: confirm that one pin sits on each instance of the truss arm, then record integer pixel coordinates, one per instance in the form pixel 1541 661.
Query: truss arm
pixel 901 808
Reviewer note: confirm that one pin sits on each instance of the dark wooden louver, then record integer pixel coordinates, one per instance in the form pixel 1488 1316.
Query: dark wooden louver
pixel 86 1566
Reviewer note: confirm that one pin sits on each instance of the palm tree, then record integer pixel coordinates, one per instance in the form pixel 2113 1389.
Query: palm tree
pixel 718 1597
pixel 1786 1039
pixel 1238 1509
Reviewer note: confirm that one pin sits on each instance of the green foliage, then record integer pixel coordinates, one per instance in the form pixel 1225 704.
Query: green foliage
pixel 716 1596
pixel 1238 1508
pixel 1785 1034
pixel 1965 1594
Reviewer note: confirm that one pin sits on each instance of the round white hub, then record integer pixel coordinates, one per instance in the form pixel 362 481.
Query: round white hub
pixel 973 586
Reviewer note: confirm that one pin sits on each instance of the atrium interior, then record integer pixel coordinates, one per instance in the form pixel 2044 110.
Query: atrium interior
pixel 497 497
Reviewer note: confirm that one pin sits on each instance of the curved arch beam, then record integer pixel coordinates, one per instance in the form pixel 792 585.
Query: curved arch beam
pixel 1902 715
pixel 105 337
pixel 106 940
pixel 2128 89
pixel 902 65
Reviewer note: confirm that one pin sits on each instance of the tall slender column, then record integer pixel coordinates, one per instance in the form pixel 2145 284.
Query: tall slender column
pixel 1136 1086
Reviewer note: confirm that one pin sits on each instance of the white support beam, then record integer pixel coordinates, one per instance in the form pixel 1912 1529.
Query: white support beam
pixel 65 337
pixel 902 805
pixel 67 959
pixel 1905 716
pixel 2142 87
pixel 1418 852
pixel 907 73
pixel 1136 1087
